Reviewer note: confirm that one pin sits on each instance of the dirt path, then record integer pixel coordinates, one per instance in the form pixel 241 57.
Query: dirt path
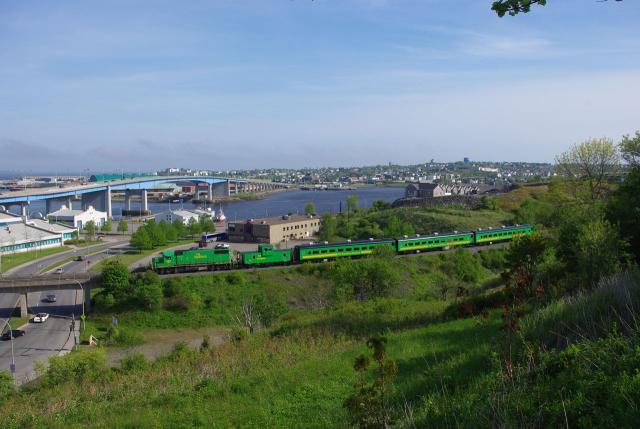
pixel 161 342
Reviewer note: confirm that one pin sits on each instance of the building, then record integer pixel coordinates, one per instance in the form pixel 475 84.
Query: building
pixel 274 230
pixel 435 190
pixel 78 218
pixel 17 236
pixel 182 215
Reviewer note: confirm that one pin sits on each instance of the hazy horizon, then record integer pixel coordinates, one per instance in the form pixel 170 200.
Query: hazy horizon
pixel 224 85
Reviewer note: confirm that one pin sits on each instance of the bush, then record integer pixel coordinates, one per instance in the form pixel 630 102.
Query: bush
pixel 77 366
pixel 234 278
pixel 135 362
pixel 104 301
pixel 493 259
pixel 462 265
pixel 6 384
pixel 120 336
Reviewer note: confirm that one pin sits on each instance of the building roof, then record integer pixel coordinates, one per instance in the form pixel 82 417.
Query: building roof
pixel 54 228
pixel 64 211
pixel 9 217
pixel 19 233
pixel 181 213
pixel 282 220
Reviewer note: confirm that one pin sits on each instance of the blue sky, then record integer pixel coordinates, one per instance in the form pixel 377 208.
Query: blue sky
pixel 225 84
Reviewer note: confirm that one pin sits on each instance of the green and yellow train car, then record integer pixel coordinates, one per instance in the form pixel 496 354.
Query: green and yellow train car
pixel 505 233
pixel 182 261
pixel 266 255
pixel 433 241
pixel 326 251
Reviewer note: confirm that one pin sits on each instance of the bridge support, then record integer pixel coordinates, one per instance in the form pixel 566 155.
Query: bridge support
pixel 107 202
pixel 144 205
pixel 210 192
pixel 24 210
pixel 48 206
pixel 127 200
pixel 22 302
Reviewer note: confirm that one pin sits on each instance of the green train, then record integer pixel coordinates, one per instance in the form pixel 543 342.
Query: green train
pixel 221 257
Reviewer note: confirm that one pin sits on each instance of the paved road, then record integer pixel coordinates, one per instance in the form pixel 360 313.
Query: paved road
pixel 42 340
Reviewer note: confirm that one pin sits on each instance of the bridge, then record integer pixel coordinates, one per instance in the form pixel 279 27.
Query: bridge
pixel 25 285
pixel 98 194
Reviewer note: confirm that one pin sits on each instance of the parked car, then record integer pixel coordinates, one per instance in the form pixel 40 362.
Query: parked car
pixel 40 317
pixel 15 333
pixel 59 270
pixel 50 298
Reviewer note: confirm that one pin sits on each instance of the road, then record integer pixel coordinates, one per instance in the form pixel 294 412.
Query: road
pixel 52 337
pixel 42 340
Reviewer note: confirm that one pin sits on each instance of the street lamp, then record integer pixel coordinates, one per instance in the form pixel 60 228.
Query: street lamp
pixel 13 359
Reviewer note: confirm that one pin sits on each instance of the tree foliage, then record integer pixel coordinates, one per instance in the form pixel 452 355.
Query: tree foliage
pixel 141 240
pixel 364 279
pixel 588 165
pixel 90 228
pixel 310 208
pixel 107 226
pixel 123 226
pixel 115 279
pixel 630 149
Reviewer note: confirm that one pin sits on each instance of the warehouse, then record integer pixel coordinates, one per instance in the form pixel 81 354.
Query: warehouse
pixel 274 230
pixel 184 216
pixel 78 218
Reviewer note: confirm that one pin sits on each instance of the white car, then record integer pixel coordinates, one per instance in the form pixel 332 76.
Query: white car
pixel 59 271
pixel 40 317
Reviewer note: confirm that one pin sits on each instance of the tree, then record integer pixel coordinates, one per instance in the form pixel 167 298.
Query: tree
pixel 623 210
pixel 352 204
pixel 328 227
pixel 179 228
pixel 362 280
pixel 148 290
pixel 310 209
pixel 90 228
pixel 156 233
pixel 590 163
pixel 206 224
pixel 630 149
pixel 380 205
pixel 107 226
pixel 193 227
pixel 115 279
pixel 397 228
pixel 169 231
pixel 140 240
pixel 514 7
pixel 123 226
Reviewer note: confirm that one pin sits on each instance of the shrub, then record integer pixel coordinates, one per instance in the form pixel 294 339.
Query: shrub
pixel 120 336
pixel 462 265
pixel 493 259
pixel 234 278
pixel 77 366
pixel 135 362
pixel 6 384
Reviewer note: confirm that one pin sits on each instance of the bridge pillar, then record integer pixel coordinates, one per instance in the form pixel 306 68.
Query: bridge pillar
pixel 22 302
pixel 69 203
pixel 228 188
pixel 210 191
pixel 107 202
pixel 144 205
pixel 127 199
pixel 48 206
pixel 24 210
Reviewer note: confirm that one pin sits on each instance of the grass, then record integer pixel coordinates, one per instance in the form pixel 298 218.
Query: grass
pixel 13 260
pixel 132 256
pixel 17 322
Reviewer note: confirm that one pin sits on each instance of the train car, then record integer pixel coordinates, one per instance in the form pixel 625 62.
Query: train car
pixel 326 251
pixel 505 233
pixel 182 261
pixel 421 243
pixel 266 255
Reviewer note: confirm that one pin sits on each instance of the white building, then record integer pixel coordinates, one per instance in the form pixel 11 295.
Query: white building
pixel 183 216
pixel 78 218
pixel 18 236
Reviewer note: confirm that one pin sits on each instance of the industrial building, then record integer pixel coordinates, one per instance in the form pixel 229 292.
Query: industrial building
pixel 18 235
pixel 435 190
pixel 182 215
pixel 274 230
pixel 78 218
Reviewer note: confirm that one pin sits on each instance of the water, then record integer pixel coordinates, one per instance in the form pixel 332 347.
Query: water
pixel 278 204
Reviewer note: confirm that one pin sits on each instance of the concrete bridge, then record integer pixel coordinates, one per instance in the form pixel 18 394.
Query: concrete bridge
pixel 98 194
pixel 25 285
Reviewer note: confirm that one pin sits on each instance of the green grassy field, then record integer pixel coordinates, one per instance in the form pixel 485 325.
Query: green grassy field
pixel 13 260
pixel 132 256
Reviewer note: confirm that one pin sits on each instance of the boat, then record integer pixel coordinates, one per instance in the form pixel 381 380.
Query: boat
pixel 220 217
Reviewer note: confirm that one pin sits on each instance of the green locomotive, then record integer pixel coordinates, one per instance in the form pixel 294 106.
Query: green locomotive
pixel 182 261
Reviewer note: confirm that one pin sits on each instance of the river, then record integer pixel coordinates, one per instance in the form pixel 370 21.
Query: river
pixel 276 204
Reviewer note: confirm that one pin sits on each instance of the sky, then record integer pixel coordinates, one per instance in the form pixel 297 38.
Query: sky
pixel 141 85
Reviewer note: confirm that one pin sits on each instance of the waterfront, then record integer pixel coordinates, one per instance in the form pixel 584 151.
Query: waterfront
pixel 276 204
